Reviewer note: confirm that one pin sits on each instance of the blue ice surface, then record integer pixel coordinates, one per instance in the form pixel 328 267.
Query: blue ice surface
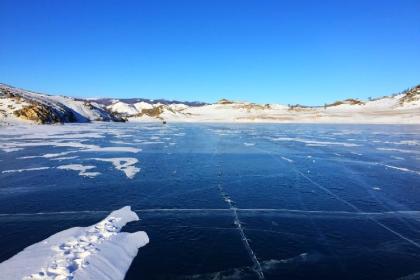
pixel 284 201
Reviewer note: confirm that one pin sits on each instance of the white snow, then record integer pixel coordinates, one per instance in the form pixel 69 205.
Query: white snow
pixel 70 144
pixel 399 150
pixel 178 107
pixel 64 158
pixel 309 142
pixel 386 110
pixel 125 165
pixel 50 155
pixel 81 168
pixel 149 142
pixel 287 159
pixel 142 105
pixel 25 169
pixel 99 251
pixel 83 111
pixel 123 108
pixel 113 149
pixel 9 150
pixel 249 144
pixel 397 158
pixel 402 169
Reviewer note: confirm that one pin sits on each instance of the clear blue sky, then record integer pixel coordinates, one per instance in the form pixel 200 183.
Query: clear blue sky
pixel 307 52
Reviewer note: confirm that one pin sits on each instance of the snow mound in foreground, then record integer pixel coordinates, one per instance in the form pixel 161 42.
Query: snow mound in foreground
pixel 99 251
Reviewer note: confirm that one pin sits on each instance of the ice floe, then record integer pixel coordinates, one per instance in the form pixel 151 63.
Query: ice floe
pixel 99 251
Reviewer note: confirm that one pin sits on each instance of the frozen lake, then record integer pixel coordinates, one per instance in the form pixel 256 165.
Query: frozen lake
pixel 224 201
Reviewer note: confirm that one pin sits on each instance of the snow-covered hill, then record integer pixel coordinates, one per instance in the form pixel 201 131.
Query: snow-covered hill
pixel 21 105
pixel 17 104
pixel 401 108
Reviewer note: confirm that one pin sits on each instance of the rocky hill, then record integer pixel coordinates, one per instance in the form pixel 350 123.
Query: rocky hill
pixel 22 105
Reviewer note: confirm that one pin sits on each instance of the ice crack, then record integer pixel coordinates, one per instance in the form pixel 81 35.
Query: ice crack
pixel 245 241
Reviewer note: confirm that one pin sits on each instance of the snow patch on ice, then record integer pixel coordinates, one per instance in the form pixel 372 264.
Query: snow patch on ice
pixel 125 165
pixel 149 142
pixel 99 251
pixel 113 149
pixel 398 150
pixel 26 169
pixel 72 144
pixel 308 142
pixel 402 169
pixel 9 150
pixel 81 168
pixel 287 159
pixel 398 158
pixel 249 144
pixel 64 158
pixel 52 155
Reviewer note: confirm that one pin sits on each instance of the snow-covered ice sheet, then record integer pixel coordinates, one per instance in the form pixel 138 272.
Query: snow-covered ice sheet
pixel 99 251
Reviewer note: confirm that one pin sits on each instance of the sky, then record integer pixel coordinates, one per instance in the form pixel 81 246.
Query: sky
pixel 289 52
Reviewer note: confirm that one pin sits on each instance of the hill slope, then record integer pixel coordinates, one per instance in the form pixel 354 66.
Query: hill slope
pixel 22 105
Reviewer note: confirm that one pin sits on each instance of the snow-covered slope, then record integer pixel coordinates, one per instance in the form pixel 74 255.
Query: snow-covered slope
pixel 123 108
pixel 99 251
pixel 22 105
pixel 401 108
pixel 15 103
